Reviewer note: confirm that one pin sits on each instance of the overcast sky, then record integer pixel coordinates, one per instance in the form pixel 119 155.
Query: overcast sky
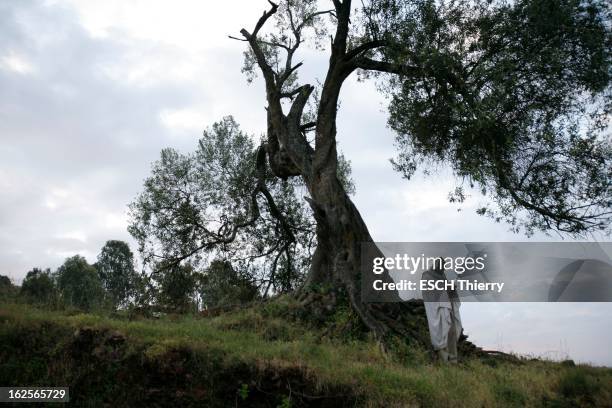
pixel 91 91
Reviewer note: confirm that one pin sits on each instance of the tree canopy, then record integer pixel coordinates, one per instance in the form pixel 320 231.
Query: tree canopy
pixel 513 96
pixel 221 284
pixel 177 287
pixel 79 284
pixel 7 289
pixel 220 202
pixel 38 286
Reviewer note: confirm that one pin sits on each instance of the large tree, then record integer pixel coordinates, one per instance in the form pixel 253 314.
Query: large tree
pixel 513 95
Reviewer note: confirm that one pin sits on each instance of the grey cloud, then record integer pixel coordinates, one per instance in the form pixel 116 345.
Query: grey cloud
pixel 68 127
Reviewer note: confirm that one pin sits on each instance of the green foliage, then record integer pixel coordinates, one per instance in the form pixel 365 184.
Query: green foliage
pixel 285 402
pixel 579 386
pixel 215 203
pixel 243 391
pixel 144 292
pixel 115 267
pixel 177 287
pixel 79 284
pixel 38 287
pixel 5 281
pixel 221 284
pixel 7 289
pixel 408 353
pixel 344 174
pixel 514 96
pixel 210 204
pixel 511 396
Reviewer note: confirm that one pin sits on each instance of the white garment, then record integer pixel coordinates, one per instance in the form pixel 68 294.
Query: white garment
pixel 441 310
pixel 440 317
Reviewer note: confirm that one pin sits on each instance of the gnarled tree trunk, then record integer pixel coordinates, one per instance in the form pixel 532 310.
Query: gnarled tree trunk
pixel 340 228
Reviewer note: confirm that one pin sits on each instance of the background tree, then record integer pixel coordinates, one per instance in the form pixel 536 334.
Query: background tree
pixel 7 289
pixel 177 287
pixel 202 206
pixel 146 292
pixel 38 286
pixel 5 281
pixel 221 284
pixel 79 284
pixel 115 267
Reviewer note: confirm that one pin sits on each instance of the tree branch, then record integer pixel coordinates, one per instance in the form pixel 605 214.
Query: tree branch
pixel 267 71
pixel 369 45
pixel 288 71
pixel 266 15
pixel 313 15
pixel 343 12
pixel 291 94
pixel 388 67
pixel 574 222
pixel 297 107
pixel 306 126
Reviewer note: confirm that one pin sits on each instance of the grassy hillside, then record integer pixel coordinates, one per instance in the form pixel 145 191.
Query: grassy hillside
pixel 259 357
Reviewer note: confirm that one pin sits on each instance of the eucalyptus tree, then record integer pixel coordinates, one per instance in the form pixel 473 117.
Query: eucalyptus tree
pixel 514 96
pixel 115 266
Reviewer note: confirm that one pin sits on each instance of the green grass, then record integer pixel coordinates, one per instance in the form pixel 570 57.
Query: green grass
pixel 262 340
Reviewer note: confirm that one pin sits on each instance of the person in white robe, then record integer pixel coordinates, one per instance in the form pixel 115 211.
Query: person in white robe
pixel 443 318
